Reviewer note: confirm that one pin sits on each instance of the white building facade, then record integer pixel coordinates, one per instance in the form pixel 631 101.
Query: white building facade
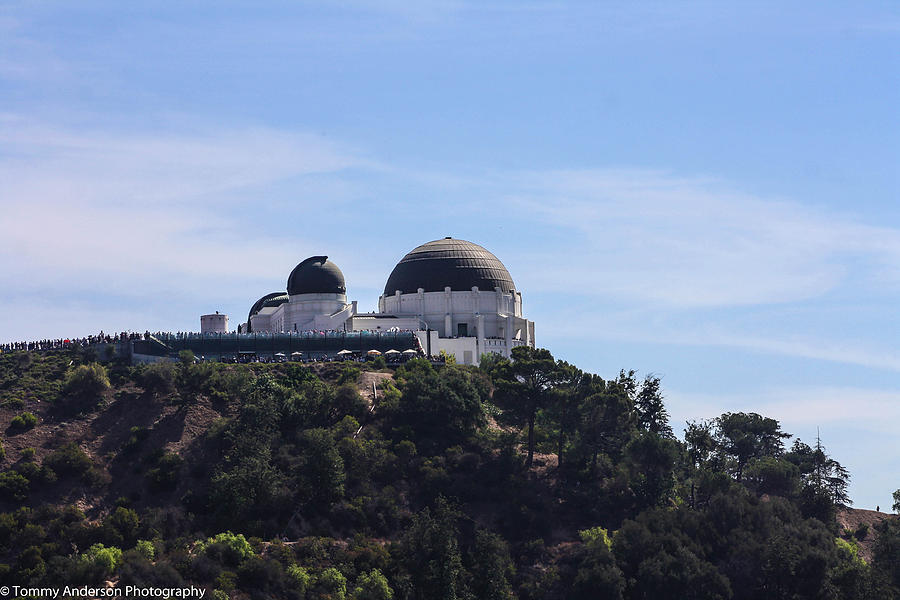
pixel 214 323
pixel 456 295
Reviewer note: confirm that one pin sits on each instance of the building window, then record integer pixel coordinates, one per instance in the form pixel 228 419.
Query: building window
pixel 462 330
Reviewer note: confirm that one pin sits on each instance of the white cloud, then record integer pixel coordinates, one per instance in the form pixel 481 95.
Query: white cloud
pixel 805 407
pixel 85 206
pixel 661 239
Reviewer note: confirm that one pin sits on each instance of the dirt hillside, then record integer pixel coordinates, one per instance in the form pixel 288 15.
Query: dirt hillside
pixel 853 520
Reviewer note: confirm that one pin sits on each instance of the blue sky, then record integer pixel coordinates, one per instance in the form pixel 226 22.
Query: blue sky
pixel 706 191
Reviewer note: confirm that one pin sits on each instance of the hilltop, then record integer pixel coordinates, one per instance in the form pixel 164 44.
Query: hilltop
pixel 525 480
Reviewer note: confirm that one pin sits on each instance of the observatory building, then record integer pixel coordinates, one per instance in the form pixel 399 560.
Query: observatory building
pixel 455 295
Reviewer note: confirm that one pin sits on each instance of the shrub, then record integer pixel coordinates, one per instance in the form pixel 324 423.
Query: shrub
pixel 596 536
pixel 146 549
pixel 24 421
pixel 372 586
pixel 299 577
pixel 72 460
pixel 258 574
pixel 13 486
pixel 348 401
pixel 28 469
pixel 13 403
pixel 158 379
pixel 138 435
pixel 350 374
pixel 84 386
pixel 233 548
pixel 121 526
pixel 102 558
pixel 164 476
pixel 27 453
pixel 331 583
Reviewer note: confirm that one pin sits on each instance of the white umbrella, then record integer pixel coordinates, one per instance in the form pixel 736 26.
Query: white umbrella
pixel 296 354
pixel 344 352
pixel 410 351
pixel 373 353
pixel 279 354
pixel 392 351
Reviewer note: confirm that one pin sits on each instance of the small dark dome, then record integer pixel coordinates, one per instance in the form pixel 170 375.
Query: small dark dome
pixel 258 305
pixel 316 275
pixel 276 301
pixel 459 264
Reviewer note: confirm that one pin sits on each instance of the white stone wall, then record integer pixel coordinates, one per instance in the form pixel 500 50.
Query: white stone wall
pixel 262 321
pixel 493 319
pixel 305 312
pixel 216 323
pixel 434 308
pixel 376 322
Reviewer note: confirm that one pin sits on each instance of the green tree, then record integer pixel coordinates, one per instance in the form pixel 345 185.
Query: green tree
pixel 439 408
pixel 659 561
pixel 429 551
pixel 121 527
pixel 886 559
pixel 320 471
pixel 824 480
pixel 572 387
pixel 651 460
pixel 525 386
pixel 773 476
pixel 741 437
pixel 597 575
pixel 651 410
pixel 330 585
pixel 896 506
pixel 372 585
pixel 492 568
pixel 606 424
pixel 698 439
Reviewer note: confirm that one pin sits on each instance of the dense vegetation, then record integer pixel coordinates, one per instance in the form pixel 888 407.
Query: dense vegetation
pixel 519 479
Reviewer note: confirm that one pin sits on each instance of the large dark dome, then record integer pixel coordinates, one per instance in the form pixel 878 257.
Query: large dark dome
pixel 448 262
pixel 316 275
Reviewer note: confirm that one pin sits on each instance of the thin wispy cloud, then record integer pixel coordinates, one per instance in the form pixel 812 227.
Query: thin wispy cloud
pixel 86 205
pixel 659 238
pixel 876 410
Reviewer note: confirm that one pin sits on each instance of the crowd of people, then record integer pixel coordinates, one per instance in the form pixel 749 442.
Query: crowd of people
pixel 125 336
pixel 66 343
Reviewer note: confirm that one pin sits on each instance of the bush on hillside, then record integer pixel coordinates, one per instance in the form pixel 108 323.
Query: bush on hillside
pixel 72 461
pixel 24 421
pixel 84 386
